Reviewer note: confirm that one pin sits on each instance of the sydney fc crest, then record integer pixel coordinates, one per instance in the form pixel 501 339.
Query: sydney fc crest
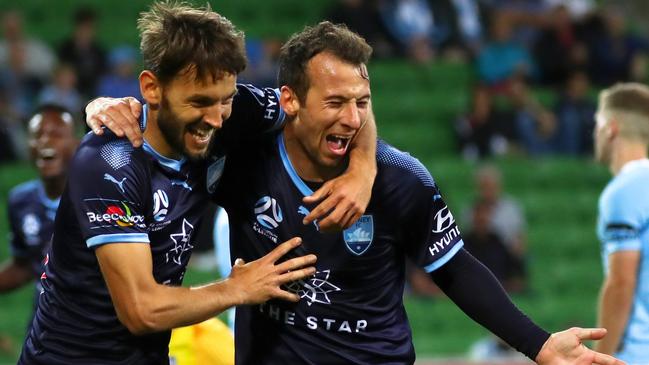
pixel 214 172
pixel 358 237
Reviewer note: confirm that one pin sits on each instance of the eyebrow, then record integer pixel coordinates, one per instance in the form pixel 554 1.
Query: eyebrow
pixel 343 98
pixel 204 99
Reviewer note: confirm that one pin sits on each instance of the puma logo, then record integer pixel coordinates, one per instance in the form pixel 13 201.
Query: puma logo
pixel 118 183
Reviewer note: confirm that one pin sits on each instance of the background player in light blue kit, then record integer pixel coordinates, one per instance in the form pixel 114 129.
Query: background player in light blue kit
pixel 621 141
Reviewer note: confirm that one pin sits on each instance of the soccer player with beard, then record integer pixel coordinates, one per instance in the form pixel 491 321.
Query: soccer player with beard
pixel 123 230
pixel 351 310
pixel 621 141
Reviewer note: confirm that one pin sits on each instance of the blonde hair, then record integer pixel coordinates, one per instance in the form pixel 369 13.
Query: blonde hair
pixel 628 104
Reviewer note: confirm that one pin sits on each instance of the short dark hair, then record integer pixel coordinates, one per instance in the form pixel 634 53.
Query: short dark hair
pixel 176 37
pixel 336 39
pixel 66 115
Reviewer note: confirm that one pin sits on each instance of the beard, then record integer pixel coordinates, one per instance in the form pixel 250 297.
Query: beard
pixel 173 129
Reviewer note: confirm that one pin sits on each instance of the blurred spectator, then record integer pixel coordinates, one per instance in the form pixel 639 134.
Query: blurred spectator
pixel 488 247
pixel 459 27
pixel 575 112
pixel 18 92
pixel 8 151
pixel 485 130
pixel 411 23
pixel 122 80
pixel 502 59
pixel 18 87
pixel 38 59
pixel 525 17
pixel 558 49
pixel 83 52
pixel 615 52
pixel 62 90
pixel 506 219
pixel 577 9
pixel 262 62
pixel 362 16
pixel 538 131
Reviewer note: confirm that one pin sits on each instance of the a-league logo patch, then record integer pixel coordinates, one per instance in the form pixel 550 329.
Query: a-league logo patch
pixel 358 237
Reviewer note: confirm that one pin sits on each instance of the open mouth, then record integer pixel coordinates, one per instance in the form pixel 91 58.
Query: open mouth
pixel 338 143
pixel 46 154
pixel 200 135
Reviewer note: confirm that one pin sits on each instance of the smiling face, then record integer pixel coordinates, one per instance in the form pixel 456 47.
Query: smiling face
pixel 191 110
pixel 335 107
pixel 52 142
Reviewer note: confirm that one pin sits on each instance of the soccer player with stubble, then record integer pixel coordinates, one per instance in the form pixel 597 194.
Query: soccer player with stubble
pixel 124 228
pixel 351 311
pixel 621 142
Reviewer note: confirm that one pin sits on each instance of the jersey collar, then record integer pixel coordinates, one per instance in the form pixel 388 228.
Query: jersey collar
pixel 51 204
pixel 288 166
pixel 175 165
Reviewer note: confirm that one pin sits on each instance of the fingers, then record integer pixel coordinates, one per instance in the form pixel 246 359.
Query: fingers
pixel 284 295
pixel 292 276
pixel 343 216
pixel 319 194
pixel 603 359
pixel 295 263
pixel 590 333
pixel 136 107
pixel 322 209
pixel 112 119
pixel 130 125
pixel 351 216
pixel 95 125
pixel 283 249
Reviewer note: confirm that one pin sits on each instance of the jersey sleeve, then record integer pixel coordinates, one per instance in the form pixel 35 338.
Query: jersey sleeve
pixel 17 245
pixel 433 233
pixel 430 234
pixel 107 188
pixel 620 223
pixel 255 112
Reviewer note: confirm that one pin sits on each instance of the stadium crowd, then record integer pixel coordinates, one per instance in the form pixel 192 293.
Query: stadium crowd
pixel 535 64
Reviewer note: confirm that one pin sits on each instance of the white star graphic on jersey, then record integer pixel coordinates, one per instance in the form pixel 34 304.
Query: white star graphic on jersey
pixel 181 241
pixel 315 289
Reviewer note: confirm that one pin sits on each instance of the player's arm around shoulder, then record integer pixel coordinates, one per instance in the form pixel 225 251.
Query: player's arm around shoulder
pixel 145 306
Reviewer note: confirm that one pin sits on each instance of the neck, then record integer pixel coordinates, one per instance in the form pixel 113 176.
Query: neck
pixel 53 186
pixel 154 137
pixel 625 151
pixel 306 166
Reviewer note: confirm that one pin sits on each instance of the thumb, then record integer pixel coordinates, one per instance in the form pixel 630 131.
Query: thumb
pixel 136 107
pixel 239 262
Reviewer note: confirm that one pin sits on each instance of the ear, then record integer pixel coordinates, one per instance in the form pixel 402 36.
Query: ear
pixel 288 101
pixel 150 88
pixel 613 128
